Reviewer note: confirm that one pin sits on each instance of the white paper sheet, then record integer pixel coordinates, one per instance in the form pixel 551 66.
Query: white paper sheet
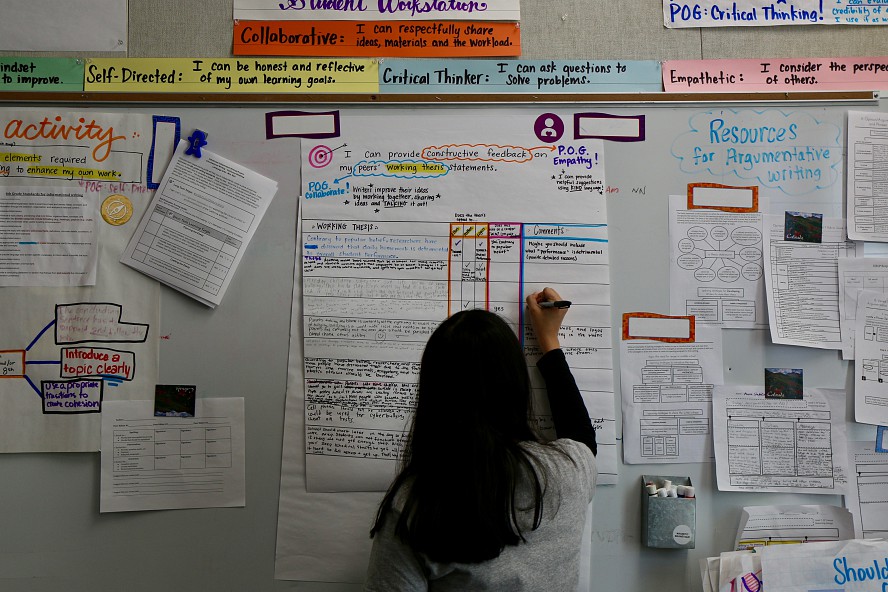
pixel 436 227
pixel 48 25
pixel 761 526
pixel 716 267
pixel 264 10
pixel 739 571
pixel 867 496
pixel 871 358
pixel 780 445
pixel 166 463
pixel 120 312
pixel 867 192
pixel 51 237
pixel 667 398
pixel 199 224
pixel 802 285
pixel 709 573
pixel 856 274
pixel 849 566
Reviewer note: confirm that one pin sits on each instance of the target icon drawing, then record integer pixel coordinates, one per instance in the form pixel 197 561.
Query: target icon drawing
pixel 320 156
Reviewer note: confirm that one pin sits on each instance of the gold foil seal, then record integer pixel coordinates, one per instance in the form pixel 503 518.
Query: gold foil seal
pixel 117 209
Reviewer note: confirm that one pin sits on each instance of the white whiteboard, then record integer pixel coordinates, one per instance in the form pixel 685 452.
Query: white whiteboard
pixel 54 538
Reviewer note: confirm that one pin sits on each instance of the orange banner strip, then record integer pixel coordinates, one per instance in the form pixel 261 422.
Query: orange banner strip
pixel 403 39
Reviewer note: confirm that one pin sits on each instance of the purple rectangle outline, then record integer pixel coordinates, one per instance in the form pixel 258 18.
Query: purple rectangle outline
pixel 270 115
pixel 639 138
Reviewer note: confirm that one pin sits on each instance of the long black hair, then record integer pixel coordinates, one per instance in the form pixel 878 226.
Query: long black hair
pixel 463 463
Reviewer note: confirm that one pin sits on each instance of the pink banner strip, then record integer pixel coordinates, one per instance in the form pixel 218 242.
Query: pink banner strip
pixel 796 74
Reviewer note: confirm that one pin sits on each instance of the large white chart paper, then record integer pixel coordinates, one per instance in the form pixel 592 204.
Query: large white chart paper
pixel 667 398
pixel 761 526
pixel 847 566
pixel 406 224
pixel 780 445
pixel 199 224
pixel 857 274
pixel 867 496
pixel 160 463
pixel 802 285
pixel 716 268
pixel 97 342
pixel 867 173
pixel 871 358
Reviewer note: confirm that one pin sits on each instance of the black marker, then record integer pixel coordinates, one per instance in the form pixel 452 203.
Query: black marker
pixel 555 304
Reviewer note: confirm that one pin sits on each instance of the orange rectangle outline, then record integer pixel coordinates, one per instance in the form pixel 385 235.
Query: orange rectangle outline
pixel 750 210
pixel 12 351
pixel 346 45
pixel 692 329
pixel 452 236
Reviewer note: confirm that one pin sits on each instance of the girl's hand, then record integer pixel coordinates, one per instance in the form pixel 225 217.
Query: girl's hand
pixel 546 322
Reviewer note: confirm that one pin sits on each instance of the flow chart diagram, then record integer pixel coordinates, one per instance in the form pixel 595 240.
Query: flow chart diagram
pixel 83 369
pixel 671 381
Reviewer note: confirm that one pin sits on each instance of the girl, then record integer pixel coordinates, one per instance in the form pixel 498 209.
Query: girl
pixel 481 503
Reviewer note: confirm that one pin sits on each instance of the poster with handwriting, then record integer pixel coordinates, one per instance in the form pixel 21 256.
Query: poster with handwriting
pixel 242 75
pixel 67 349
pixel 460 212
pixel 41 74
pixel 377 10
pixel 765 13
pixel 374 39
pixel 788 74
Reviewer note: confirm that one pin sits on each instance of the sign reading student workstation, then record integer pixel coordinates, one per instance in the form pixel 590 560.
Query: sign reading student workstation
pixel 245 75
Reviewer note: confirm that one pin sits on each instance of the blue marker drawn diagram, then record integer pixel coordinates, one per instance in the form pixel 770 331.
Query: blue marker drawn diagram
pixel 789 151
pixel 82 370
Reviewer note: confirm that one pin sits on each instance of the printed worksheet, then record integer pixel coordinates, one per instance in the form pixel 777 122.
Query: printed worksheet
pixel 51 237
pixel 163 463
pixel 404 225
pixel 871 358
pixel 716 268
pixel 856 274
pixel 667 398
pixel 780 445
pixel 867 169
pixel 802 283
pixel 761 526
pixel 867 496
pixel 199 224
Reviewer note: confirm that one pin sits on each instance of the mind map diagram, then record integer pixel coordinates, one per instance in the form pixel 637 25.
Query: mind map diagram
pixel 725 264
pixel 76 380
